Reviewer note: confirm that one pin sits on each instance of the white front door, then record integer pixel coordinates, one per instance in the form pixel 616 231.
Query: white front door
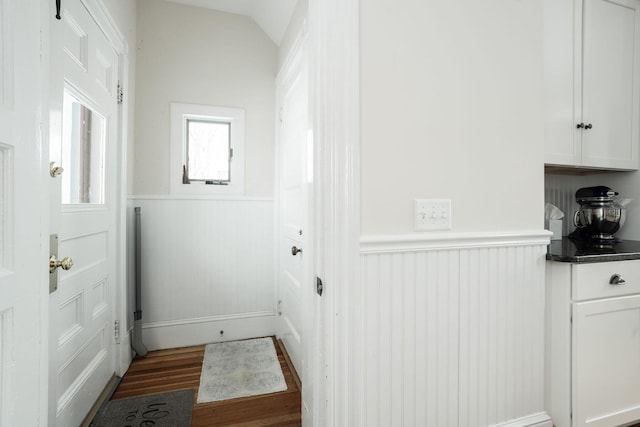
pixel 296 321
pixel 83 142
pixel 22 269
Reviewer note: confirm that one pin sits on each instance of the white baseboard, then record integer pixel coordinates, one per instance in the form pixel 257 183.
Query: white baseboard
pixel 535 420
pixel 188 332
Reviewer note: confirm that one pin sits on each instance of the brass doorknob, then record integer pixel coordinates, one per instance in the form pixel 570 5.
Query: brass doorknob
pixel 65 263
pixel 55 169
pixel 295 251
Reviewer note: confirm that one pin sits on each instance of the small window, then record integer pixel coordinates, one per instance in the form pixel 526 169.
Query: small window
pixel 82 151
pixel 207 150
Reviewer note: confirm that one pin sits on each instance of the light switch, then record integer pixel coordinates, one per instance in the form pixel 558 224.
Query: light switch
pixel 432 214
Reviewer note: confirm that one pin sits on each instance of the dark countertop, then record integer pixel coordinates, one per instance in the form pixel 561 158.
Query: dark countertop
pixel 567 250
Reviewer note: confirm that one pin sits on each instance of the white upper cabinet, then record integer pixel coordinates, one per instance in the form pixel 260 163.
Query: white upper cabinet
pixel 592 83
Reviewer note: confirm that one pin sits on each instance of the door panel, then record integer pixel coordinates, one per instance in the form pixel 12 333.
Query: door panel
pixel 21 280
pixel 83 142
pixel 606 361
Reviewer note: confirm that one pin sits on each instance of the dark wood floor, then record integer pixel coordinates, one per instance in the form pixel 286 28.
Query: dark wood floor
pixel 179 369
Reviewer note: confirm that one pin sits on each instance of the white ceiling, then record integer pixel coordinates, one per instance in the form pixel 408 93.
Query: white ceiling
pixel 271 15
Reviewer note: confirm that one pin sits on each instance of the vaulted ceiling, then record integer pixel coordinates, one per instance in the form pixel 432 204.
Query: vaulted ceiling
pixel 271 15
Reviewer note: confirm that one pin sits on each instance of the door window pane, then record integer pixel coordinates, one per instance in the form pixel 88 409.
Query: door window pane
pixel 208 151
pixel 82 152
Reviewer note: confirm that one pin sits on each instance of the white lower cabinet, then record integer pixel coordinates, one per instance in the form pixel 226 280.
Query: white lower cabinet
pixel 593 344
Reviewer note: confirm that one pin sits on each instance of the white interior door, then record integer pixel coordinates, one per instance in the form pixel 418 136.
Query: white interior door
pixel 83 213
pixel 22 270
pixel 295 279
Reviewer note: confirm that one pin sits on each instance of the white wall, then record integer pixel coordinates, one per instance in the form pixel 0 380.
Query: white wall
pixel 451 101
pixel 207 263
pixel 200 56
pixel 448 327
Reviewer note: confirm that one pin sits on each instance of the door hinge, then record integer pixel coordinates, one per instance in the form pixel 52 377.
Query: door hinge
pixel 279 308
pixel 116 331
pixel 120 93
pixel 230 154
pixel 319 286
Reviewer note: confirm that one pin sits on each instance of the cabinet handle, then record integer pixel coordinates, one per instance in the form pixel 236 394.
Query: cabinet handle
pixel 617 279
pixel 589 126
pixel 580 126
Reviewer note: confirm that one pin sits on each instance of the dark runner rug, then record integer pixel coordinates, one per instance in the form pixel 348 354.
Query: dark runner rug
pixel 158 410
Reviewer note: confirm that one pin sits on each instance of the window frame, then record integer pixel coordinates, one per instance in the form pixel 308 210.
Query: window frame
pixel 180 113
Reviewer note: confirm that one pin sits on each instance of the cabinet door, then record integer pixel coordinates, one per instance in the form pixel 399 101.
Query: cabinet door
pixel 606 362
pixel 562 144
pixel 610 83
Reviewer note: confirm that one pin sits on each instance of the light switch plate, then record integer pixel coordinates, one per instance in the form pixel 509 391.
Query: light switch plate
pixel 432 214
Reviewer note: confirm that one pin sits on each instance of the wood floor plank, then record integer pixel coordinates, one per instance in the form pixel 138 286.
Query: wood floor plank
pixel 178 369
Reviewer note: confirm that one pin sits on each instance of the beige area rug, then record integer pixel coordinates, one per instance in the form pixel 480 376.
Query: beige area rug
pixel 239 369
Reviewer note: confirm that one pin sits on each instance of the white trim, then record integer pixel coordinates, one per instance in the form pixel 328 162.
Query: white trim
pixel 293 56
pixel 210 197
pixel 198 331
pixel 106 23
pixel 436 241
pixel 221 318
pixel 334 82
pixel 536 420
pixel 125 354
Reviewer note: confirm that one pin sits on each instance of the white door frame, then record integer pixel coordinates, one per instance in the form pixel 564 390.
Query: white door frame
pixel 334 82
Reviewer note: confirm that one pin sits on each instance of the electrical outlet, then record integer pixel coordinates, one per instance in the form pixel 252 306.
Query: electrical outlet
pixel 432 214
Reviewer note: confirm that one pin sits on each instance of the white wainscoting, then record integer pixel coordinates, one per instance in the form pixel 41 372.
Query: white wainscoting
pixel 452 330
pixel 207 266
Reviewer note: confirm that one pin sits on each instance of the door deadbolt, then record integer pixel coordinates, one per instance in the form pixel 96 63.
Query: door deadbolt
pixel 65 263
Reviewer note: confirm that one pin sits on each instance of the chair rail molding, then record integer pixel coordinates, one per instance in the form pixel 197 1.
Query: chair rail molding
pixel 433 241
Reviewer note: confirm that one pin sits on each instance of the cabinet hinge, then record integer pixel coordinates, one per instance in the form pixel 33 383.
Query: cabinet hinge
pixel 120 93
pixel 116 331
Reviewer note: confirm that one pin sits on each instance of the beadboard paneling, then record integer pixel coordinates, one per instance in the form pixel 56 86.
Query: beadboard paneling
pixel 560 190
pixel 454 337
pixel 206 263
